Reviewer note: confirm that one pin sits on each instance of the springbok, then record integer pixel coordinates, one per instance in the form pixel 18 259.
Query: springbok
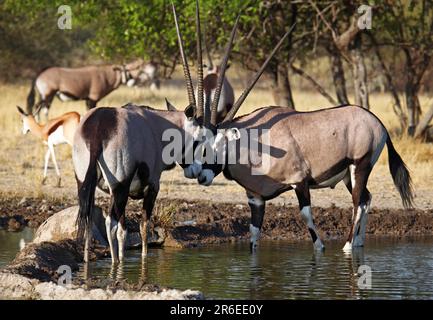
pixel 56 131
pixel 90 83
pixel 120 150
pixel 301 151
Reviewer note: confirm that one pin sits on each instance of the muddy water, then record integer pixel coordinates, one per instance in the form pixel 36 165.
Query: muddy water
pixel 400 269
pixel 10 244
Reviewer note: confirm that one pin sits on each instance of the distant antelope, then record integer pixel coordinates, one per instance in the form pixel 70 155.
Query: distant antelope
pixel 227 97
pixel 120 150
pixel 307 150
pixel 90 83
pixel 56 131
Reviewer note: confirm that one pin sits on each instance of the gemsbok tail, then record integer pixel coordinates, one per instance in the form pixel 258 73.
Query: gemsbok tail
pixel 400 175
pixel 31 97
pixel 86 195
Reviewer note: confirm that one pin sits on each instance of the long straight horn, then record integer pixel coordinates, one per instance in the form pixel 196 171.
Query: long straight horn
pixel 221 75
pixel 186 73
pixel 200 101
pixel 206 47
pixel 244 94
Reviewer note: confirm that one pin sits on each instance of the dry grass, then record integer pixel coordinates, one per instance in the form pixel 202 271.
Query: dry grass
pixel 21 157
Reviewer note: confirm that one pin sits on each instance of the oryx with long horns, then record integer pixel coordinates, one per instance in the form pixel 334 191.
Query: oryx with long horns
pixel 90 83
pixel 121 151
pixel 301 150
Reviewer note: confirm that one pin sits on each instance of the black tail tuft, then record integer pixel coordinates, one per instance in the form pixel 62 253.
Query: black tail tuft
pixel 31 98
pixel 400 175
pixel 86 196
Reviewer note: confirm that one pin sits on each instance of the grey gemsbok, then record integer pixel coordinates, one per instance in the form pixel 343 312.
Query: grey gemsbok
pixel 302 150
pixel 90 83
pixel 120 150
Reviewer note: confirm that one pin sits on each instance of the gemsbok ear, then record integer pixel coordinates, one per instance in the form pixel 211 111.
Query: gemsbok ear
pixel 20 110
pixel 169 106
pixel 233 134
pixel 190 111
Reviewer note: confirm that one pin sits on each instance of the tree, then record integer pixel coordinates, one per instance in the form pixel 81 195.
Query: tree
pixel 408 26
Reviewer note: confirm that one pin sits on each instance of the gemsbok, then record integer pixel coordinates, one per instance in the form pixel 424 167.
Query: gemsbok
pixel 227 97
pixel 90 83
pixel 56 131
pixel 288 150
pixel 120 150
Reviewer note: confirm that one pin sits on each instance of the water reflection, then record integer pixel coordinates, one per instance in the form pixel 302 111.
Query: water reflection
pixel 283 270
pixel 11 243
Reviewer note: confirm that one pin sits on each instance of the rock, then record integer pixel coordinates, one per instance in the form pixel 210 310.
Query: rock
pixel 14 286
pixel 62 226
pixel 14 225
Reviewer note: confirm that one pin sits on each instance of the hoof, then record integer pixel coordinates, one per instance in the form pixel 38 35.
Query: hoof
pixel 253 247
pixel 347 247
pixel 59 183
pixel 44 180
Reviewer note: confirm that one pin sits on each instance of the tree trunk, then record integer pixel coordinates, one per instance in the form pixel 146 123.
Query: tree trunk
pixel 423 124
pixel 398 110
pixel 413 107
pixel 359 74
pixel 338 76
pixel 281 90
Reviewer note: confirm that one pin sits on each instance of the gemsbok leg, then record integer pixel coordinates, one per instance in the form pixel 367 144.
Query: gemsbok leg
pixel 115 221
pixel 359 241
pixel 303 194
pixel 257 207
pixel 361 198
pixel 148 204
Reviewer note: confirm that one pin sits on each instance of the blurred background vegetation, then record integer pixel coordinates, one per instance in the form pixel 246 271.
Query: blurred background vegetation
pixel 327 52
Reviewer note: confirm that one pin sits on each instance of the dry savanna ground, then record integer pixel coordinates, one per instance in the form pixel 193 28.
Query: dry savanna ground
pixel 21 157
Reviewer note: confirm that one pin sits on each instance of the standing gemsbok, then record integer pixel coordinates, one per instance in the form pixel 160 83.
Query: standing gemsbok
pixel 302 150
pixel 90 83
pixel 120 150
pixel 56 131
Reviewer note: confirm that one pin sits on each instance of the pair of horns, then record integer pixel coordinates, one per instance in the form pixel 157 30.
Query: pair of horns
pixel 223 68
pixel 187 74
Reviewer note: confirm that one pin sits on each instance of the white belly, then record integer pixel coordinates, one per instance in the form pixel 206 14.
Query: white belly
pixel 331 182
pixel 57 136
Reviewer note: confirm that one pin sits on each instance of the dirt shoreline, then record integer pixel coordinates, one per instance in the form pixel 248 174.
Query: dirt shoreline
pixel 196 223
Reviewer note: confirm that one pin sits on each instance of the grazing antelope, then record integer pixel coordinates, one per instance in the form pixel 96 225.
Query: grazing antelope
pixel 120 150
pixel 90 83
pixel 305 150
pixel 56 131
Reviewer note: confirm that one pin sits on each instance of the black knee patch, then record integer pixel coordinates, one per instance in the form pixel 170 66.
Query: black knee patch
pixel 313 234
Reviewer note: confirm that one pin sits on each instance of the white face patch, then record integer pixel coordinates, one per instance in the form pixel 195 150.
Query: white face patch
pixel 192 129
pixel 26 127
pixel 219 142
pixel 130 82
